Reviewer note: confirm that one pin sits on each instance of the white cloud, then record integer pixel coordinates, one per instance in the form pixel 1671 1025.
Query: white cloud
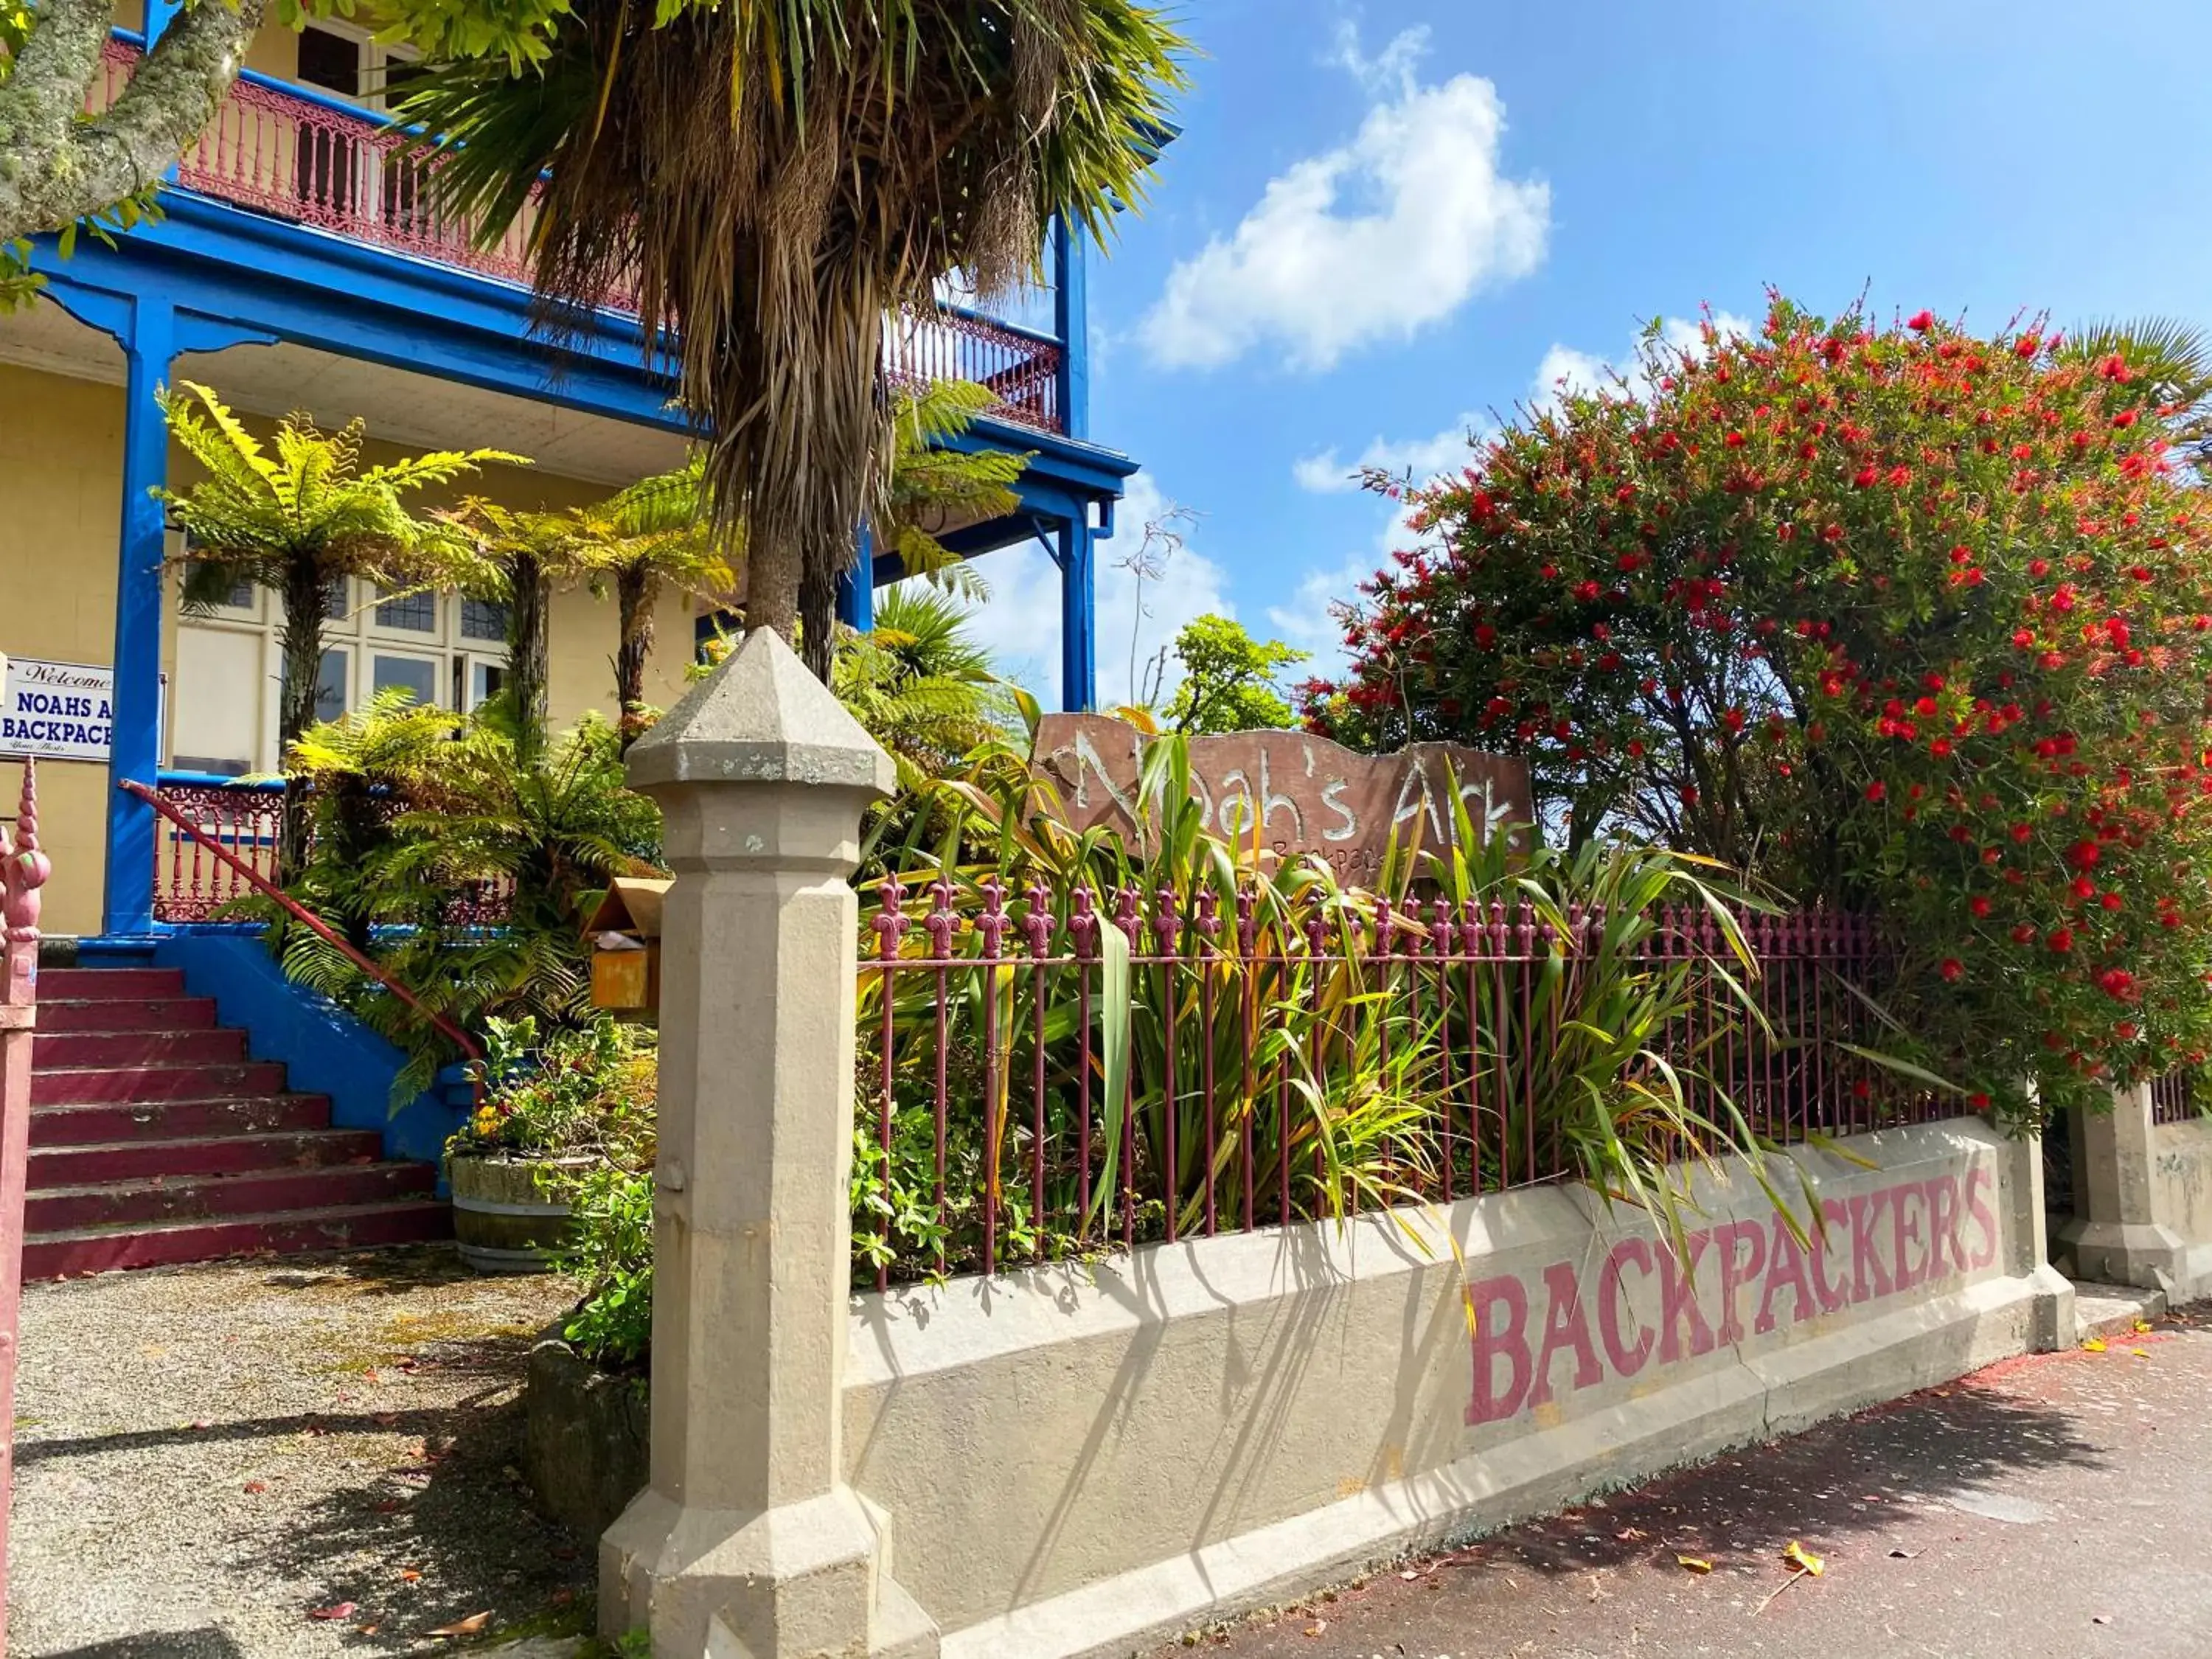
pixel 1421 459
pixel 1390 69
pixel 1373 241
pixel 1567 370
pixel 1020 622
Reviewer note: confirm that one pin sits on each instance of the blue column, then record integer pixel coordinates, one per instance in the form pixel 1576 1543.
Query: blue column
pixel 856 587
pixel 1072 323
pixel 1078 619
pixel 149 348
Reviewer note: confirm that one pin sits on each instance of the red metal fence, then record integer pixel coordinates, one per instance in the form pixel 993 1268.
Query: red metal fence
pixel 23 872
pixel 1281 1068
pixel 217 841
pixel 315 161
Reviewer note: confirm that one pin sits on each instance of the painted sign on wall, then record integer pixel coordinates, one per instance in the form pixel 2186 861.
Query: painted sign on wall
pixel 1306 793
pixel 56 710
pixel 1581 1323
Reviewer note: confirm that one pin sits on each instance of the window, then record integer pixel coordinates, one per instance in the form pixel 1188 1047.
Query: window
pixel 483 619
pixel 331 686
pixel 335 606
pixel 410 613
pixel 418 675
pixel 223 712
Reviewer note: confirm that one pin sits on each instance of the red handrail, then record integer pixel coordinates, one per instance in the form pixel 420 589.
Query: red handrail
pixel 300 914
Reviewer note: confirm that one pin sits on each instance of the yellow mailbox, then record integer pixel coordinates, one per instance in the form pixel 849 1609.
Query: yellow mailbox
pixel 625 935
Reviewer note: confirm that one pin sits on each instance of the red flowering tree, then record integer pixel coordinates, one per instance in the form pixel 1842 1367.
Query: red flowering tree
pixel 1906 620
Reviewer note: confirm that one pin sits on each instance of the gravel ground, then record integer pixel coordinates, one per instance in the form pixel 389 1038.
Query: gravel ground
pixel 208 1458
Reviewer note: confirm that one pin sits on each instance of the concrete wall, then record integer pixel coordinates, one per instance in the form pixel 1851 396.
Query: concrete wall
pixel 1076 1460
pixel 60 457
pixel 2181 1198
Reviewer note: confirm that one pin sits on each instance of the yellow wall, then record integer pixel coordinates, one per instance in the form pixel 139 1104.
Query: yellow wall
pixel 61 491
pixel 60 506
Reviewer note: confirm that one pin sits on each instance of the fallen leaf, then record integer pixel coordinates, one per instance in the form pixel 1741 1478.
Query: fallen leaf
pixel 387 1420
pixel 1409 1574
pixel 561 1597
pixel 409 1575
pixel 1631 1535
pixel 1803 1559
pixel 367 1630
pixel 1317 1627
pixel 2139 1353
pixel 468 1627
pixel 1903 1555
pixel 257 1486
pixel 2142 1325
pixel 388 1506
pixel 2094 1344
pixel 1694 1563
pixel 333 1613
pixel 201 1425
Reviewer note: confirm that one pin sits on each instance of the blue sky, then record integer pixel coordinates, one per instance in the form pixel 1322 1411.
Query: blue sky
pixel 1385 221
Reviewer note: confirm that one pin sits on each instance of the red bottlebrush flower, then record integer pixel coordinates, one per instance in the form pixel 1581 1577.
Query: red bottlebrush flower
pixel 1625 492
pixel 1978 1101
pixel 1899 476
pixel 1734 441
pixel 1941 749
pixel 1876 790
pixel 2028 345
pixel 2115 370
pixel 1980 905
pixel 2060 940
pixel 1485 635
pixel 2125 1030
pixel 2084 855
pixel 2083 888
pixel 1862 1089
pixel 1952 968
pixel 2111 902
pixel 2023 638
pixel 2023 934
pixel 1925 708
pixel 1636 749
pixel 1587 591
pixel 1733 718
pixel 1867 476
pixel 1921 321
pixel 2038 568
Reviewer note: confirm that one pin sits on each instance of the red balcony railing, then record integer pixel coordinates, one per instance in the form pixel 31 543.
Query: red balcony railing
pixel 312 160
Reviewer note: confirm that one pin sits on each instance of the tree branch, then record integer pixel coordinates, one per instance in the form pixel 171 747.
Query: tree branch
pixel 56 168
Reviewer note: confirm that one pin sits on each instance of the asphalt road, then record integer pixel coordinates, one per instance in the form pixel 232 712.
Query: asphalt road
pixel 2058 1505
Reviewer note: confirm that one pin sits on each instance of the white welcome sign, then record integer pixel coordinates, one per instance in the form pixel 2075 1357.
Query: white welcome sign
pixel 56 710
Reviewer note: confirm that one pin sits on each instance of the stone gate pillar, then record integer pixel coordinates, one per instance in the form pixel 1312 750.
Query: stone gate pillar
pixel 748 1544
pixel 2115 1235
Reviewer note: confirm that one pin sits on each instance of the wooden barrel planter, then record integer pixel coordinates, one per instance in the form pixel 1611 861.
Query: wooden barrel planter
pixel 509 1213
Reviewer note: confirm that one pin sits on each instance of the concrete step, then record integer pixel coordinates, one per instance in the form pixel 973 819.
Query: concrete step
pixel 108 1014
pixel 53 1051
pixel 168 1198
pixel 137 1159
pixel 109 984
pixel 2111 1311
pixel 138 1085
pixel 358 1226
pixel 159 1121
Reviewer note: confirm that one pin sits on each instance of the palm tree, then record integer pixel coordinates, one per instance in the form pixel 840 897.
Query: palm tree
pixel 651 537
pixel 299 524
pixel 771 178
pixel 515 558
pixel 923 686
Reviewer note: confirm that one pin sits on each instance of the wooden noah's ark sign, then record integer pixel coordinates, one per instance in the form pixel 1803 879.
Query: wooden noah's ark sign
pixel 1306 793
